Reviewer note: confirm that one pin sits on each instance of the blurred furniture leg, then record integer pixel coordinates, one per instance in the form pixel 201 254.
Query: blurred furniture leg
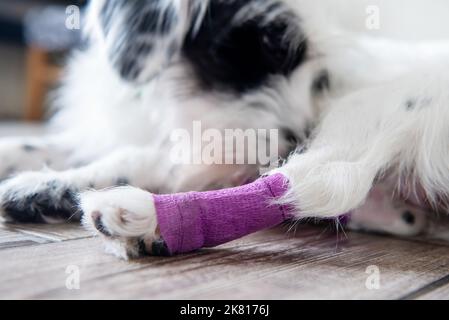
pixel 36 84
pixel 41 75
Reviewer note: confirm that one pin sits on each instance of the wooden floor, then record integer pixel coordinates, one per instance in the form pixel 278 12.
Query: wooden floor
pixel 39 261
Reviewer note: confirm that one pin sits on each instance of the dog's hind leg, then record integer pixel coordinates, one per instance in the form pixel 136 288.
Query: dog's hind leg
pixel 384 211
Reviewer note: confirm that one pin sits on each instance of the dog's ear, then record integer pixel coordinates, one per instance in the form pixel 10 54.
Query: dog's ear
pixel 242 42
pixel 141 37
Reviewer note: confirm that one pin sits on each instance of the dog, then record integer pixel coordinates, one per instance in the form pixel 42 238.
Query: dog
pixel 362 121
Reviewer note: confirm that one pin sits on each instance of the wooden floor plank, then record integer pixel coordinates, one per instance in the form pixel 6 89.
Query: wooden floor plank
pixel 268 265
pixel 437 290
pixel 266 271
pixel 441 293
pixel 11 239
pixel 52 233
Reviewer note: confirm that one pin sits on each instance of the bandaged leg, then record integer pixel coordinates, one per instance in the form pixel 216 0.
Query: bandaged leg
pixel 194 220
pixel 134 222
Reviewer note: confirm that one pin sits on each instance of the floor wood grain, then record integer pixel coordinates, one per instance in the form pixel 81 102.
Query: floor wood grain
pixel 37 262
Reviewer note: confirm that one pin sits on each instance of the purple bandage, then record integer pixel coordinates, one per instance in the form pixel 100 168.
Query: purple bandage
pixel 190 221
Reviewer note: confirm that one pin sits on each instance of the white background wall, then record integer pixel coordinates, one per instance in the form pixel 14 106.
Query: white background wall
pixel 405 19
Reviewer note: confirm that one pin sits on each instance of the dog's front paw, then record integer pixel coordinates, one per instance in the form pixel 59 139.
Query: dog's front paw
pixel 126 219
pixel 38 197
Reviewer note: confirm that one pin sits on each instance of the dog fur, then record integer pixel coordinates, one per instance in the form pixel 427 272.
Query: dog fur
pixel 367 116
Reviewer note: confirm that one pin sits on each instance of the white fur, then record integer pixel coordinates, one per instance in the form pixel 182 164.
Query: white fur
pixel 127 213
pixel 368 132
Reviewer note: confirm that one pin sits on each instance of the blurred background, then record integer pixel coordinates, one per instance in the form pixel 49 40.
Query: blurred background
pixel 34 42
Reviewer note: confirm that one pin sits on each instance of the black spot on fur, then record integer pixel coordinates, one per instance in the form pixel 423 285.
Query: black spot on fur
pixel 129 68
pixel 32 208
pixel 290 136
pixel 29 148
pixel 321 83
pixel 20 213
pixel 141 23
pixel 141 16
pixel 408 217
pixel 150 17
pixel 159 248
pixel 242 55
pixel 142 248
pixel 122 181
pixel 410 104
pixel 413 103
pixel 98 223
pixel 143 48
